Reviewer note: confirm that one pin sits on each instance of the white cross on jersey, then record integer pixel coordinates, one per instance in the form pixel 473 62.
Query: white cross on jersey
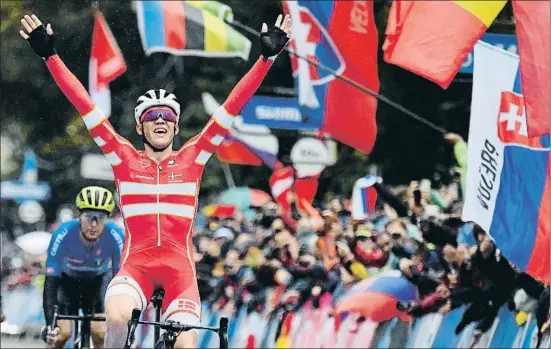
pixel 512 118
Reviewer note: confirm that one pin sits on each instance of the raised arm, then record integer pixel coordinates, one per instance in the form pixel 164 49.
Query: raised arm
pixel 42 40
pixel 273 41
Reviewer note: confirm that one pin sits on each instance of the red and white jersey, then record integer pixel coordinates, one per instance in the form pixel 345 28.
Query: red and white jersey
pixel 158 200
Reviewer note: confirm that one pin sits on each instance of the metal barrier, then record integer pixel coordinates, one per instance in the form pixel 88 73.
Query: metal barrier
pixel 313 328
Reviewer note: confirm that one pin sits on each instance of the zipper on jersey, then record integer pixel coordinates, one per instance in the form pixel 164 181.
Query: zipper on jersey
pixel 158 202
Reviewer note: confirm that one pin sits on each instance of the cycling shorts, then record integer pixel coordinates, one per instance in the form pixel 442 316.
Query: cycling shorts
pixel 87 294
pixel 170 268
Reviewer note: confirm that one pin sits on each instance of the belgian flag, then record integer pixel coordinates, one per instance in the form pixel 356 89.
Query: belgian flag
pixel 189 28
pixel 433 38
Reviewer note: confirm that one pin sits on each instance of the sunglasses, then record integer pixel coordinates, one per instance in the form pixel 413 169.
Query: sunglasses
pixel 97 215
pixel 155 114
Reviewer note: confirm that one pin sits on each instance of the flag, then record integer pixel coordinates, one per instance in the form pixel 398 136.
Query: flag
pixel 532 22
pixel 508 172
pixel 433 38
pixel 375 298
pixel 179 28
pixel 217 8
pixel 252 145
pixel 333 33
pixel 106 63
pixel 364 197
pixel 245 144
pixel 284 181
pixel 221 211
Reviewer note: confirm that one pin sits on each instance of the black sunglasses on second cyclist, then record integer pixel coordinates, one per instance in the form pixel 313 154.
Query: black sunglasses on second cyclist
pixel 99 216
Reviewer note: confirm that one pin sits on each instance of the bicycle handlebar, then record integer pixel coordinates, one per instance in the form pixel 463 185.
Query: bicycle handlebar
pixel 85 317
pixel 222 330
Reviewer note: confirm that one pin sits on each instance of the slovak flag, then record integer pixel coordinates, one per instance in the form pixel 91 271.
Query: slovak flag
pixel 106 63
pixel 245 144
pixel 333 33
pixel 507 190
pixel 252 145
pixel 364 197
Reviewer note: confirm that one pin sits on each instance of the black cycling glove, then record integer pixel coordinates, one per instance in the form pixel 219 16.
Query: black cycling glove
pixel 273 41
pixel 42 43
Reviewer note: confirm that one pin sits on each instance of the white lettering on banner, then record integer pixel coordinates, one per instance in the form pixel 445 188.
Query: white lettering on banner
pixel 495 71
pixel 278 113
pixel 310 156
pixel 359 17
pixel 310 150
pixel 487 170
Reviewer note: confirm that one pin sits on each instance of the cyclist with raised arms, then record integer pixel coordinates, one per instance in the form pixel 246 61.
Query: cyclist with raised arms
pixel 158 187
pixel 83 256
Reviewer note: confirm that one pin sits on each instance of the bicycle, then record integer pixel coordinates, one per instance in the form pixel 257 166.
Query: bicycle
pixel 172 328
pixel 85 328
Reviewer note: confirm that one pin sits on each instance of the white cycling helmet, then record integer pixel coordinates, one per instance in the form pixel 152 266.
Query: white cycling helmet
pixel 154 98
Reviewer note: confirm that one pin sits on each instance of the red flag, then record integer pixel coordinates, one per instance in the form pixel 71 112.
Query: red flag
pixel 283 181
pixel 220 211
pixel 342 36
pixel 106 63
pixel 433 38
pixel 532 22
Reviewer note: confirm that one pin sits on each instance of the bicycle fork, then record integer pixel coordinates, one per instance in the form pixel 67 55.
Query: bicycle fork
pixel 85 332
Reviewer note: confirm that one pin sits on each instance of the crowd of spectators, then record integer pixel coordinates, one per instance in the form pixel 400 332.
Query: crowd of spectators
pixel 416 229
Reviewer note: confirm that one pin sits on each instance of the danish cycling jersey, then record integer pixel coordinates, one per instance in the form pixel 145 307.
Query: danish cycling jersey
pixel 67 254
pixel 158 200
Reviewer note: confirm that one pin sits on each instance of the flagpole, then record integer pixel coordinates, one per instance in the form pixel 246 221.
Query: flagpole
pixel 349 81
pixel 228 175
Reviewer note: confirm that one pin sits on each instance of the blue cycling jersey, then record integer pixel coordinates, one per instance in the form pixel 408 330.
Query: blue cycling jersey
pixel 69 255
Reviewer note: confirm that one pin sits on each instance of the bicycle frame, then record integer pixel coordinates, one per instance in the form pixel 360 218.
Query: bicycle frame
pixel 86 320
pixel 157 301
pixel 173 329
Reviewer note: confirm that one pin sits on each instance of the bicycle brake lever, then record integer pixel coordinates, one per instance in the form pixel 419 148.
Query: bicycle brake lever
pixel 54 320
pixel 132 325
